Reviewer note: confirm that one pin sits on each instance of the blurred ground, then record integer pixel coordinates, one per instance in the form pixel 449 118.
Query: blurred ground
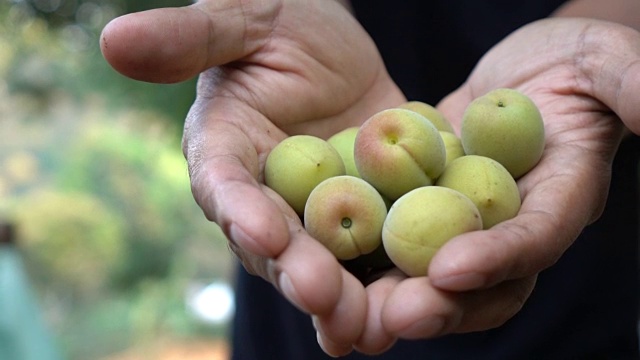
pixel 173 350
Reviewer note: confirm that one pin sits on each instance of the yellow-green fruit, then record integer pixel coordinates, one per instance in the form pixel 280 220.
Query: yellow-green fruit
pixel 346 214
pixel 452 145
pixel 423 220
pixel 487 183
pixel 397 150
pixel 343 141
pixel 507 126
pixel 297 165
pixel 431 113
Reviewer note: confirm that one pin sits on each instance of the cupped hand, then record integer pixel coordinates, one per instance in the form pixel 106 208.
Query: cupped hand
pixel 268 69
pixel 585 77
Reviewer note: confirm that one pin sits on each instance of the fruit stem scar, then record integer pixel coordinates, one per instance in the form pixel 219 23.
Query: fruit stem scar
pixel 392 138
pixel 500 103
pixel 346 223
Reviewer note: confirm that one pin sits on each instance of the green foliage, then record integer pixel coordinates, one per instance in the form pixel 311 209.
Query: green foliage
pixel 60 12
pixel 73 237
pixel 38 59
pixel 92 173
pixel 144 177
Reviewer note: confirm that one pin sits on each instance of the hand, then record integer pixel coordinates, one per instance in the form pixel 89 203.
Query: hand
pixel 269 69
pixel 585 77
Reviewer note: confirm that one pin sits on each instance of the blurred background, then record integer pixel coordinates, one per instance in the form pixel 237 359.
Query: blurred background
pixel 111 259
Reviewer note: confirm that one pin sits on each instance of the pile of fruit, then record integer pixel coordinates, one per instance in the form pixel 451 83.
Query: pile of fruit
pixel 395 189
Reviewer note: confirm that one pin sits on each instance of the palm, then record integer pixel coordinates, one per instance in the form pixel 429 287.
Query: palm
pixel 302 80
pixel 582 134
pixel 296 80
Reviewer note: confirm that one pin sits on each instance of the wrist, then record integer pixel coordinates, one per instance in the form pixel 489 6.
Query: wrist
pixel 625 12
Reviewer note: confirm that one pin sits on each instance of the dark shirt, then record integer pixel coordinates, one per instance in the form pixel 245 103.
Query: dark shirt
pixel 583 307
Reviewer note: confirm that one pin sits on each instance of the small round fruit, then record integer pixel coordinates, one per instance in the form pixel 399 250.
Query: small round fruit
pixel 343 141
pixel 423 220
pixel 487 183
pixel 398 150
pixel 345 213
pixel 431 113
pixel 507 126
pixel 452 145
pixel 297 165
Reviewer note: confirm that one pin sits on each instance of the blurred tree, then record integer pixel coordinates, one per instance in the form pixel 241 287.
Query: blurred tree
pixel 46 45
pixel 93 174
pixel 73 238
pixel 62 12
pixel 142 176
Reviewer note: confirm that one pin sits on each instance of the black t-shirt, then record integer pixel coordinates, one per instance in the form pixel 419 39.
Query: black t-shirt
pixel 430 47
pixel 583 307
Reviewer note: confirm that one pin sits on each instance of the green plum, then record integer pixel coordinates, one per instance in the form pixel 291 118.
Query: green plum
pixel 487 183
pixel 344 141
pixel 505 125
pixel 345 213
pixel 397 150
pixel 422 221
pixel 431 113
pixel 297 164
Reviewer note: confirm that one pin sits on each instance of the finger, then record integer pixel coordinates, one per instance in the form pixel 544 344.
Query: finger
pixel 311 278
pixel 341 328
pixel 262 226
pixel 429 312
pixel 520 247
pixel 308 275
pixel 375 339
pixel 551 217
pixel 614 78
pixel 174 44
pixel 223 167
pixel 332 349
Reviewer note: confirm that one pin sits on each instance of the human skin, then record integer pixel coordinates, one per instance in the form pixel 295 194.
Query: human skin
pixel 228 134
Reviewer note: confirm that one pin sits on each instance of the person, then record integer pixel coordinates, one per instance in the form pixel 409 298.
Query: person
pixel 557 281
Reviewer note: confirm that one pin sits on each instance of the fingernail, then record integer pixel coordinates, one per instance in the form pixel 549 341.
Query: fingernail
pixel 425 328
pixel 241 239
pixel 235 234
pixel 322 346
pixel 460 282
pixel 286 286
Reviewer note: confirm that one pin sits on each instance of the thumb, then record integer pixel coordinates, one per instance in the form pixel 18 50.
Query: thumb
pixel 615 76
pixel 174 44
